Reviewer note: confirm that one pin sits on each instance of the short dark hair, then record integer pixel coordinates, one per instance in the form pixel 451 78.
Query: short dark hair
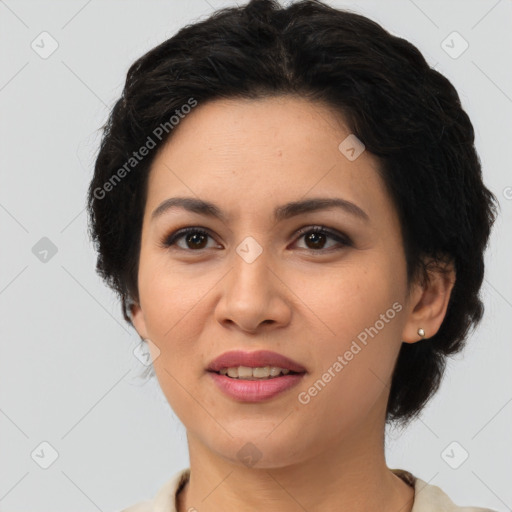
pixel 407 114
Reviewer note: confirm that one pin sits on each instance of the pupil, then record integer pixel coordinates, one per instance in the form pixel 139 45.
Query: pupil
pixel 195 237
pixel 313 238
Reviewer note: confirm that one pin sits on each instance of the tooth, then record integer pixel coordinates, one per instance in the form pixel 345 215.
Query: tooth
pixel 233 372
pixel 244 372
pixel 275 371
pixel 249 373
pixel 261 372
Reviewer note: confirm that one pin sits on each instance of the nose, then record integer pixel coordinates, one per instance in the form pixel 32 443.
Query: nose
pixel 253 295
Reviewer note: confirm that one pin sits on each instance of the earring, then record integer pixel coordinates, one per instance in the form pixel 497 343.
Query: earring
pixel 421 332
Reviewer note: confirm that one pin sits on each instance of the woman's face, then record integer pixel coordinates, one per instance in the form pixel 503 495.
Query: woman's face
pixel 336 306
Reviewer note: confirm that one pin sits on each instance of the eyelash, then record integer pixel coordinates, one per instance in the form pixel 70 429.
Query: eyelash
pixel 342 239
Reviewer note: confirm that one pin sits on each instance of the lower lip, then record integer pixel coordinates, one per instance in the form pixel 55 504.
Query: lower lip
pixel 255 390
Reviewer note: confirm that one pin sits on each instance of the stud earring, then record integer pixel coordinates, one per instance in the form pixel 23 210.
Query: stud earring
pixel 421 332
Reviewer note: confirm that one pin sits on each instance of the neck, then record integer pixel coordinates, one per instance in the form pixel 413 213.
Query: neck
pixel 352 472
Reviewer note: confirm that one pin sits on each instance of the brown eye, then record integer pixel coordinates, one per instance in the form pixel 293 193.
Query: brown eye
pixel 315 238
pixel 194 239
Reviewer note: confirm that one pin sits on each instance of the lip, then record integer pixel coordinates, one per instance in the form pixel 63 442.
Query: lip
pixel 255 390
pixel 256 359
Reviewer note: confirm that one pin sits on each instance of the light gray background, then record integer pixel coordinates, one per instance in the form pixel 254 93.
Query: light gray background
pixel 68 373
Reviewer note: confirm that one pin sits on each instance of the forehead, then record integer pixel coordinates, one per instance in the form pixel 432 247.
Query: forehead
pixel 254 154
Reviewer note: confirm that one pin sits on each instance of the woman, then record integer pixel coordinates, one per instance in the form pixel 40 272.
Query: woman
pixel 289 203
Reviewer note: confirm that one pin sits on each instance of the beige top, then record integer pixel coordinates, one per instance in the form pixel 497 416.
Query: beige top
pixel 427 498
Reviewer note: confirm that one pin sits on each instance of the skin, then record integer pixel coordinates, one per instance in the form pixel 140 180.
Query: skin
pixel 249 156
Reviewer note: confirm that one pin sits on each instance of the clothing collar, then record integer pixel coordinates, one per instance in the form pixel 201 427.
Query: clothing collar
pixel 427 497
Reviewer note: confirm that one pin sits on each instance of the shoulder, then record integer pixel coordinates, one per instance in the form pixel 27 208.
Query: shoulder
pixel 431 498
pixel 165 498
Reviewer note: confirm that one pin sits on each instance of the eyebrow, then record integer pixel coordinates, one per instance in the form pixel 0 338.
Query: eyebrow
pixel 283 212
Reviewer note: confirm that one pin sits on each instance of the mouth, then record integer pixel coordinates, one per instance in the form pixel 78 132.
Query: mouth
pixel 258 365
pixel 243 386
pixel 255 373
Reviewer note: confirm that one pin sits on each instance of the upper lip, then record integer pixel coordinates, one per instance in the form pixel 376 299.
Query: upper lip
pixel 256 359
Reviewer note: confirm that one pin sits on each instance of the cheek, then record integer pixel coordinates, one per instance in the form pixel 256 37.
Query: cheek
pixel 358 338
pixel 169 302
pixel 345 300
pixel 173 302
pixel 170 295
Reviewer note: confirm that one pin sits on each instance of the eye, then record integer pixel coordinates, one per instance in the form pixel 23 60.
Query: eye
pixel 317 235
pixel 194 238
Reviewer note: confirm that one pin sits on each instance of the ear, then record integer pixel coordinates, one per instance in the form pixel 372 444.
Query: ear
pixel 139 322
pixel 138 319
pixel 428 302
